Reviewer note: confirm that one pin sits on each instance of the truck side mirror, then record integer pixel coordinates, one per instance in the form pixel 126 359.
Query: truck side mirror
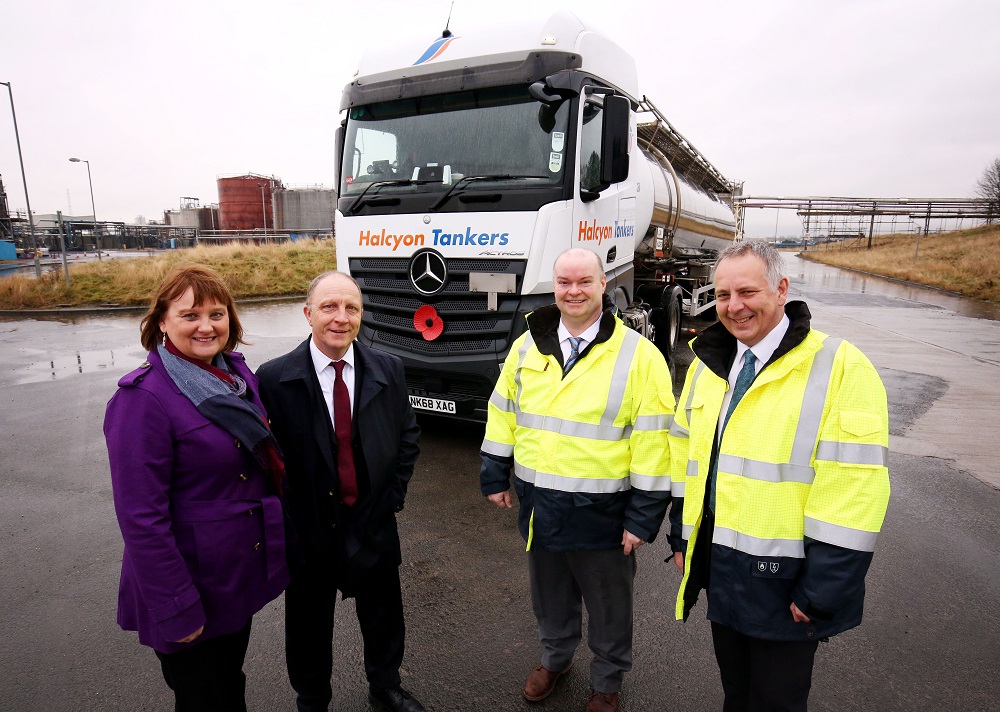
pixel 615 139
pixel 338 159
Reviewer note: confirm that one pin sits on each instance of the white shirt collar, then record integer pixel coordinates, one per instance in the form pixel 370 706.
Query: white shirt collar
pixel 321 360
pixel 588 335
pixel 765 347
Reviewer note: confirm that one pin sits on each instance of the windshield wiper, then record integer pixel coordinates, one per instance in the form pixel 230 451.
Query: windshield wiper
pixel 469 179
pixel 381 184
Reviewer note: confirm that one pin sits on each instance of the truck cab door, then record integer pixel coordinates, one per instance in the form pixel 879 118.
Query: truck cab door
pixel 604 205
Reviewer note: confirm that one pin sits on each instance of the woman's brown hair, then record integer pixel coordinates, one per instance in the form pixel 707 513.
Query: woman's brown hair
pixel 206 284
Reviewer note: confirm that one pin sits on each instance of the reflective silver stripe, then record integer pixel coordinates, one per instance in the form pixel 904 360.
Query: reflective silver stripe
pixel 528 343
pixel 619 376
pixel 686 531
pixel 694 382
pixel 692 469
pixel 733 539
pixel 562 483
pixel 552 424
pixel 766 471
pixel 677 488
pixel 546 480
pixel 491 447
pixel 525 474
pixel 678 431
pixel 653 422
pixel 521 353
pixel 856 539
pixel 853 453
pixel 813 401
pixel 650 483
pixel 506 405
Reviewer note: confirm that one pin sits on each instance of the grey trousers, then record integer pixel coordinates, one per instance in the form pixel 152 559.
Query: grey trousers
pixel 603 580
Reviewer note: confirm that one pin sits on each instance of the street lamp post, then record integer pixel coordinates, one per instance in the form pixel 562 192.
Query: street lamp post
pixel 31 219
pixel 92 208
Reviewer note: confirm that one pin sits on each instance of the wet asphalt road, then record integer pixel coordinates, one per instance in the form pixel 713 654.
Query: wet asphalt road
pixel 930 639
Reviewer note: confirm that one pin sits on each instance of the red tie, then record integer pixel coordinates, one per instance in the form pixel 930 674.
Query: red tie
pixel 342 425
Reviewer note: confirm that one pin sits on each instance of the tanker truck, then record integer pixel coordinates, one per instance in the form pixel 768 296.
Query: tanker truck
pixel 467 164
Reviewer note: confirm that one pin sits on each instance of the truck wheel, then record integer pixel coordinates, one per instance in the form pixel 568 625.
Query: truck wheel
pixel 673 335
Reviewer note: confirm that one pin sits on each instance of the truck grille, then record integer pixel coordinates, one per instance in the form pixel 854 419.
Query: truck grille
pixel 390 302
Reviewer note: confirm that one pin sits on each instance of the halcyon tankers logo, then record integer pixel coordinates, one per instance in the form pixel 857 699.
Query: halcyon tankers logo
pixel 600 233
pixel 435 50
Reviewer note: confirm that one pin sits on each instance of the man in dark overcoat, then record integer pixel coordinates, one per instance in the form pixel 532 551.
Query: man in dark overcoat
pixel 341 414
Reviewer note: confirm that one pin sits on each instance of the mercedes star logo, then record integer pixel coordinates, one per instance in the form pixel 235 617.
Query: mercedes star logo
pixel 428 272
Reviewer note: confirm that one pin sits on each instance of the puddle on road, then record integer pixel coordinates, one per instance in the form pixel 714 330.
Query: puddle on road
pixel 53 368
pixel 823 283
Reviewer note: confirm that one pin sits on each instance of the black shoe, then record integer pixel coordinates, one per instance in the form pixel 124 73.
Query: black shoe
pixel 393 699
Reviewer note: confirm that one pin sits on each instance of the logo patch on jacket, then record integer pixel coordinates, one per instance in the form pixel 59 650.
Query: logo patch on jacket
pixel 764 566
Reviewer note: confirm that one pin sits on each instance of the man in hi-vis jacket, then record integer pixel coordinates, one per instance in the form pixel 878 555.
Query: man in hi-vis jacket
pixel 780 451
pixel 580 415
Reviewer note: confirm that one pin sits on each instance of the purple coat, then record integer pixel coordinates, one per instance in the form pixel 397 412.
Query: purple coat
pixel 203 529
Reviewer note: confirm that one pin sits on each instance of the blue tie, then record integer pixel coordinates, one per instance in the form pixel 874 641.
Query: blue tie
pixel 743 381
pixel 574 353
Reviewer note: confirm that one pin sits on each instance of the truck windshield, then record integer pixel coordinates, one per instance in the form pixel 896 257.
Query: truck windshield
pixel 432 142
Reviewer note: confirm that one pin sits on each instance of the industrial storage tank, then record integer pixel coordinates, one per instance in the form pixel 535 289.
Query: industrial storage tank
pixel 309 208
pixel 192 214
pixel 246 201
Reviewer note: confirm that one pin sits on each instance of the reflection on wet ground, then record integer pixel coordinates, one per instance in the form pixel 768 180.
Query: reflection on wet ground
pixel 815 281
pixel 50 347
pixel 68 365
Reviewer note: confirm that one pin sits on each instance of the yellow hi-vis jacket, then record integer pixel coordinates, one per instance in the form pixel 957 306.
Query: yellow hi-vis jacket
pixel 589 451
pixel 802 484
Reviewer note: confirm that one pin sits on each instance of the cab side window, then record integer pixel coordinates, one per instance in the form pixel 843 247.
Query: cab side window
pixel 590 146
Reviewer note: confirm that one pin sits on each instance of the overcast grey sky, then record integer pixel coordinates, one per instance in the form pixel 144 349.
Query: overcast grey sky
pixel 854 97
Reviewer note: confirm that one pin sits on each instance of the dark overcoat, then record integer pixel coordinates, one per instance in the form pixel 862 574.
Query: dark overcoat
pixel 385 438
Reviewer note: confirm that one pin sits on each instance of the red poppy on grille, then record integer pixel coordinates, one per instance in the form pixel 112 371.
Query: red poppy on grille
pixel 428 323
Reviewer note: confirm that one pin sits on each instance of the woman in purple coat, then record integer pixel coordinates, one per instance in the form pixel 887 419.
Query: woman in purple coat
pixel 196 476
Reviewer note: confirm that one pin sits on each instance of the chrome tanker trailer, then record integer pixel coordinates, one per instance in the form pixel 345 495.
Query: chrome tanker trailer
pixel 469 162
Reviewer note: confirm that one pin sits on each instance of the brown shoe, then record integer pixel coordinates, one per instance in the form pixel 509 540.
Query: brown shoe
pixel 602 702
pixel 541 682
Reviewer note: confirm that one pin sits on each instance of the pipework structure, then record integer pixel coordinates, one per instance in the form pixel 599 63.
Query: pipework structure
pixel 6 227
pixel 837 218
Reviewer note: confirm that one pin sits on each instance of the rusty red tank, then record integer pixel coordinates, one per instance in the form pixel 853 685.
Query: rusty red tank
pixel 246 202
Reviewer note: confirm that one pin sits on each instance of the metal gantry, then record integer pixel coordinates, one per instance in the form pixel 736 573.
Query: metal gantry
pixel 825 217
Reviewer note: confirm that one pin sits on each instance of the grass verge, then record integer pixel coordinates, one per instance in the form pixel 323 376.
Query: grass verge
pixel 966 261
pixel 249 270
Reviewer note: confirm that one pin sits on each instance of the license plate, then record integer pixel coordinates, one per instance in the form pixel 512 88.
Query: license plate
pixel 434 404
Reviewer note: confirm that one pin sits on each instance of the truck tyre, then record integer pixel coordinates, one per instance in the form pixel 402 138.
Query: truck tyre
pixel 666 321
pixel 674 322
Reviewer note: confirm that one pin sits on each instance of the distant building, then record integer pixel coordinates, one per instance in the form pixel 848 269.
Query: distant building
pixel 192 214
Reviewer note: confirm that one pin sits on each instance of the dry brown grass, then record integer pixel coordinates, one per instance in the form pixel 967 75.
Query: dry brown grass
pixel 966 262
pixel 249 270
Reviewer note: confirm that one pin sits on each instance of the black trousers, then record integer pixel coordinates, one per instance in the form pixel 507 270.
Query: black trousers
pixel 310 601
pixel 763 675
pixel 208 677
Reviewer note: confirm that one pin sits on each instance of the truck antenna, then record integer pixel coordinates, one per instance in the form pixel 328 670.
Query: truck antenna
pixel 447 32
